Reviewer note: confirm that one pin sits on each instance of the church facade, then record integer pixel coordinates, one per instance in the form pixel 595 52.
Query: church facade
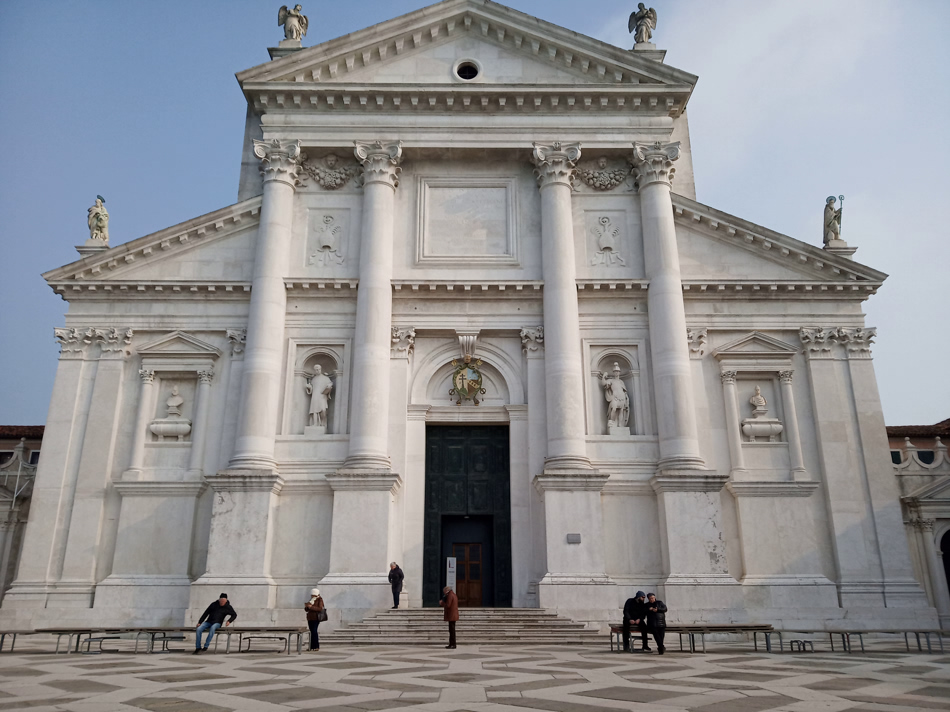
pixel 467 305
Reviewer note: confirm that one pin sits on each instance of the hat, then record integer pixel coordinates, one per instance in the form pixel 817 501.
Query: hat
pixel 223 595
pixel 314 591
pixel 640 594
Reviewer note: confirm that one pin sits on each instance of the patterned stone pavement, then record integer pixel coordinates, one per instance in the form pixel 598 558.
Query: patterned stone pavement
pixel 495 678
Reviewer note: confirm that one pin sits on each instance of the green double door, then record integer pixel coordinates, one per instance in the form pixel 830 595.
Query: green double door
pixel 468 514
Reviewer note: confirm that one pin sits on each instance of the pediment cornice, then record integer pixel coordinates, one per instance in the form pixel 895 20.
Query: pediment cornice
pixel 104 267
pixel 594 63
pixel 772 245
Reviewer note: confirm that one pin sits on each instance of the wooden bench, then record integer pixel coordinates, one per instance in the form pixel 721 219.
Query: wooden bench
pixel 79 633
pixel 694 631
pixel 616 638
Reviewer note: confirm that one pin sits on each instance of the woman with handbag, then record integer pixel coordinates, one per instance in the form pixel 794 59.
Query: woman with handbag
pixel 316 614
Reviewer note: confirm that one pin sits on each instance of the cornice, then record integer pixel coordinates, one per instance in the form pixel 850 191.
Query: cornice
pixel 143 250
pixel 465 287
pixel 491 22
pixel 777 247
pixel 776 289
pixel 629 99
pixel 772 489
pixel 71 290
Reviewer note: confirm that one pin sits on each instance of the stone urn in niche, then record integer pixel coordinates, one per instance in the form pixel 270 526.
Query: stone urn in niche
pixel 172 425
pixel 760 425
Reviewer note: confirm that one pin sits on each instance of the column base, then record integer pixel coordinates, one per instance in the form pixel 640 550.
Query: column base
pixel 898 593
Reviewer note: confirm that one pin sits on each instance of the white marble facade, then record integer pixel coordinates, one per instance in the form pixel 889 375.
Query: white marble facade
pixel 541 215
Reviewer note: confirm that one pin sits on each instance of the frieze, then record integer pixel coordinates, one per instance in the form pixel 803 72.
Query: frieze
pixel 330 174
pixel 602 177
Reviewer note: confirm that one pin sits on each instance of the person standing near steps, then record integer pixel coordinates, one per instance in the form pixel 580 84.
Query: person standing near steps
pixel 212 619
pixel 316 613
pixel 395 580
pixel 450 603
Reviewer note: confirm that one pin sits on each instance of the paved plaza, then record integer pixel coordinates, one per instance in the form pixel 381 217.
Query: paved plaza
pixel 496 678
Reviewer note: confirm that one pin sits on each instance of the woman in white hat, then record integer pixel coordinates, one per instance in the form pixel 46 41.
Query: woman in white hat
pixel 316 613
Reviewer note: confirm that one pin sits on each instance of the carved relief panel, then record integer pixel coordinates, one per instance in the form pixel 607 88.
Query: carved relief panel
pixel 328 238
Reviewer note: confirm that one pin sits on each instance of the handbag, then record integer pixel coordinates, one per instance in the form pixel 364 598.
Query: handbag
pixel 322 615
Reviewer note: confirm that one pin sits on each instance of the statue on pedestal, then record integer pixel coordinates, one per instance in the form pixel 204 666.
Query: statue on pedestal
pixel 759 426
pixel 174 403
pixel 173 425
pixel 294 21
pixel 833 219
pixel 318 388
pixel 98 221
pixel 642 23
pixel 618 402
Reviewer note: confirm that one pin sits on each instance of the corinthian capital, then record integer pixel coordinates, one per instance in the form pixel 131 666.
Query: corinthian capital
pixel 653 162
pixel 857 341
pixel 280 161
pixel 380 162
pixel 554 163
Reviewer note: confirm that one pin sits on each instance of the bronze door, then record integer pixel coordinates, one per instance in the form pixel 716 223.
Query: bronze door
pixel 468 574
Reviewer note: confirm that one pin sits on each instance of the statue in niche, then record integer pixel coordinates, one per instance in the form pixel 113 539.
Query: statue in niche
pixel 318 388
pixel 758 403
pixel 606 234
pixel 98 221
pixel 642 23
pixel 328 242
pixel 173 425
pixel 833 219
pixel 618 402
pixel 331 175
pixel 294 21
pixel 603 178
pixel 174 403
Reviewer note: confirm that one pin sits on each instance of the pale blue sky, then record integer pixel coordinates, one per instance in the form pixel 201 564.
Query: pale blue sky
pixel 796 101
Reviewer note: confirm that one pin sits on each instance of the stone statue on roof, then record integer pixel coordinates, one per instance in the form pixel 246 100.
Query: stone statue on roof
pixel 832 220
pixel 294 21
pixel 98 221
pixel 642 23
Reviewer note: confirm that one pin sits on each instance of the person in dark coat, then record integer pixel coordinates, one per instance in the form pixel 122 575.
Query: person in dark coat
pixel 212 619
pixel 635 613
pixel 314 607
pixel 450 603
pixel 656 620
pixel 395 580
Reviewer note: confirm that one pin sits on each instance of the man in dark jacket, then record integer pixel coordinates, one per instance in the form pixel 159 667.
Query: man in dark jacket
pixel 656 620
pixel 635 612
pixel 395 580
pixel 212 619
pixel 450 603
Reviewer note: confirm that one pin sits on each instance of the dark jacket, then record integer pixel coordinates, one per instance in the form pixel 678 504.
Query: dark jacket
pixel 656 619
pixel 314 608
pixel 450 603
pixel 395 578
pixel 215 613
pixel 634 610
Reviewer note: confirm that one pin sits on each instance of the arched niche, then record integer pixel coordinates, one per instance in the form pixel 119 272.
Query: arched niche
pixel 432 377
pixel 308 359
pixel 603 361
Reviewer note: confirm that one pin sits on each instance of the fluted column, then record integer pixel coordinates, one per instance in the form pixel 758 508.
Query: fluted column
pixel 567 447
pixel 796 459
pixel 199 433
pixel 257 422
pixel 675 406
pixel 141 422
pixel 372 339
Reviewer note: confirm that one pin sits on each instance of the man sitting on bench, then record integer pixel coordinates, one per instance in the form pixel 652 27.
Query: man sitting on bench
pixel 212 619
pixel 635 612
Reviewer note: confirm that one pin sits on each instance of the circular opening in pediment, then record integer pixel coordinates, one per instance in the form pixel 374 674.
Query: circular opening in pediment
pixel 466 70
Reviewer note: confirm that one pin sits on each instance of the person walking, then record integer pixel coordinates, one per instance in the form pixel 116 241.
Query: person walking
pixel 395 580
pixel 316 614
pixel 656 621
pixel 212 619
pixel 635 613
pixel 450 603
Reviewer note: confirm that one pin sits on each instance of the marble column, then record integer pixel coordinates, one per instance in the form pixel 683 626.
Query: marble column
pixel 575 582
pixel 142 418
pixel 688 495
pixel 796 459
pixel 199 432
pixel 938 579
pixel 567 445
pixel 365 487
pixel 263 353
pixel 371 342
pixel 731 400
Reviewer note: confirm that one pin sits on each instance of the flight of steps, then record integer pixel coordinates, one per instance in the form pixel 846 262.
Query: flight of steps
pixel 488 626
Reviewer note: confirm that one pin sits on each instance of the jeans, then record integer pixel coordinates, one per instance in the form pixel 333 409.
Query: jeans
pixel 314 637
pixel 213 627
pixel 642 627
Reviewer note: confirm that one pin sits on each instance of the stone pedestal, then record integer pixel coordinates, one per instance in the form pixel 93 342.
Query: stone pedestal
pixel 312 431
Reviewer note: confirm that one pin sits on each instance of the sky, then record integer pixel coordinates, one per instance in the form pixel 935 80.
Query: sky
pixel 796 101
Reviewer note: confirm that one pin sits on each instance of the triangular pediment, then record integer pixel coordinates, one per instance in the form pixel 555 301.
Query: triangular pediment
pixel 757 345
pixel 938 490
pixel 216 248
pixel 178 343
pixel 510 47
